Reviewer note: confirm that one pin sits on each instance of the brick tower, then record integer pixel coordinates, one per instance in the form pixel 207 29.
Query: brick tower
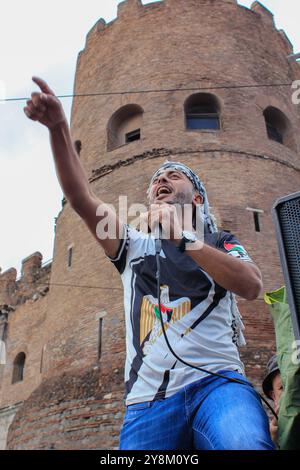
pixel 198 79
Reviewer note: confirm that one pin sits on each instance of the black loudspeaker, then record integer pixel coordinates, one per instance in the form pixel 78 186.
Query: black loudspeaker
pixel 286 216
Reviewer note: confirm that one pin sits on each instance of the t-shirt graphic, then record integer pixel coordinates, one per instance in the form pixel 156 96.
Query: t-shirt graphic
pixel 150 319
pixel 196 313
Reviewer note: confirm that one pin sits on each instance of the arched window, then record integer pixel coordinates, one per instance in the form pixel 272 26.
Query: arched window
pixel 124 126
pixel 18 368
pixel 279 127
pixel 202 111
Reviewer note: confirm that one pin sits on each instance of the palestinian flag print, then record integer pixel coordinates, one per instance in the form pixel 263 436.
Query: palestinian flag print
pixel 238 251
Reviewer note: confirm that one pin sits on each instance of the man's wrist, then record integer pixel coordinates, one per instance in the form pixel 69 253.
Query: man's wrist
pixel 189 241
pixel 63 124
pixel 197 245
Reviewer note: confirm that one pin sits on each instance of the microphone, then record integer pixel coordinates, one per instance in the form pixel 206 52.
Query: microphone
pixel 158 238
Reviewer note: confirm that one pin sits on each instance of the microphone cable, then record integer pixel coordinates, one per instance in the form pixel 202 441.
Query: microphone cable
pixel 158 247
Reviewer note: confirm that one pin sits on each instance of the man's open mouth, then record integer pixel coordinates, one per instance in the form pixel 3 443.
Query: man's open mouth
pixel 163 190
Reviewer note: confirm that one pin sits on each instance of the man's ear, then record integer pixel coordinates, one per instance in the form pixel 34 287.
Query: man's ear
pixel 197 199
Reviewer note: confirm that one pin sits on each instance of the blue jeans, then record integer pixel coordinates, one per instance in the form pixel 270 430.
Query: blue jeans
pixel 210 414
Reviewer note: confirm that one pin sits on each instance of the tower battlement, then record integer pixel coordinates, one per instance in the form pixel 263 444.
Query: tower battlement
pixel 32 284
pixel 129 9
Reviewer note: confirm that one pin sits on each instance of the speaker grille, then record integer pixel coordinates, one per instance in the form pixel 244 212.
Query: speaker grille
pixel 289 220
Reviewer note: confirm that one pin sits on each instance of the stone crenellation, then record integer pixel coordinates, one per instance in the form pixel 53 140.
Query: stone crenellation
pixel 32 283
pixel 128 8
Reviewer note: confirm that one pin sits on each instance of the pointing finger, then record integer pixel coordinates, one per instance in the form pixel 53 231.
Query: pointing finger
pixel 43 85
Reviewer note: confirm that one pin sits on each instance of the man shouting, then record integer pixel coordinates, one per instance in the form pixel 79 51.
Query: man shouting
pixel 170 404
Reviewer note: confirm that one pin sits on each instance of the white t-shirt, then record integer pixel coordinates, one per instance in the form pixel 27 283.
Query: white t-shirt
pixel 196 313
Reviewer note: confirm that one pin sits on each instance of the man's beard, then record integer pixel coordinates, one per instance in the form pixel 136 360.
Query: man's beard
pixel 181 199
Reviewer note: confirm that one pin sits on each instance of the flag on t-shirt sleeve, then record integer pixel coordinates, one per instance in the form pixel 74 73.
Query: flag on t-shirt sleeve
pixel 231 245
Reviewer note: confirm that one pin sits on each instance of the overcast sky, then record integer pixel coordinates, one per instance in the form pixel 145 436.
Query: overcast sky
pixel 36 39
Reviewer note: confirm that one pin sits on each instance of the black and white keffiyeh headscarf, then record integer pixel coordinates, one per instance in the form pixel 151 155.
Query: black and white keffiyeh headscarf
pixel 209 220
pixel 209 226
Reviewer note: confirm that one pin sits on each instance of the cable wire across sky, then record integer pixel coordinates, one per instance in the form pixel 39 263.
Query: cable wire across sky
pixel 162 90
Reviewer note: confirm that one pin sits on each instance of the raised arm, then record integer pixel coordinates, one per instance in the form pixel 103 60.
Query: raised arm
pixel 46 108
